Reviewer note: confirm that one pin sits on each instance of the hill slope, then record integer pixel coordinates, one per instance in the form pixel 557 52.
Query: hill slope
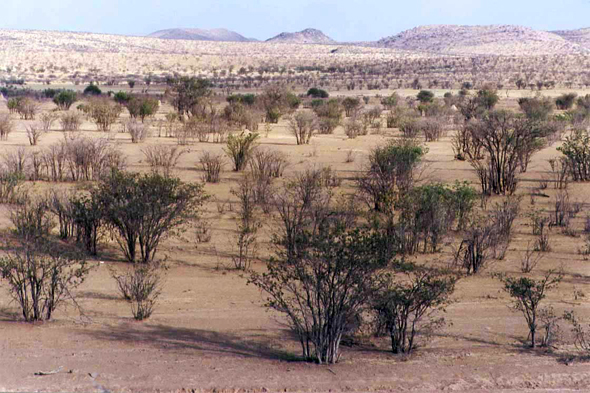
pixel 200 35
pixel 580 36
pixel 491 40
pixel 307 36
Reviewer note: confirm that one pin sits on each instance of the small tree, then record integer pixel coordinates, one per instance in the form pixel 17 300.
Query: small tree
pixel 6 126
pixel 34 133
pixel 391 168
pixel 528 294
pixel 425 96
pixel 576 150
pixel 64 99
pixel 40 283
pixel 303 125
pixel 404 307
pixel 144 209
pixel 351 105
pixel 92 90
pixel 240 148
pixel 323 290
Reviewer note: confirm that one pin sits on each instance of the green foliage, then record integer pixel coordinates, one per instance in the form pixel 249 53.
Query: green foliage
pixel 323 289
pixel 391 170
pixel 143 209
pixel 488 98
pixel 528 295
pixel 351 105
pixel 246 99
pixel 425 96
pixel 404 307
pixel 391 101
pixel 188 92
pixel 142 107
pixel 576 150
pixel 92 90
pixel 565 101
pixel 317 93
pixel 122 98
pixel 536 108
pixel 239 148
pixel 64 99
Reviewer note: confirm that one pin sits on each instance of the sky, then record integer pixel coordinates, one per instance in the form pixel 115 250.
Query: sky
pixel 343 20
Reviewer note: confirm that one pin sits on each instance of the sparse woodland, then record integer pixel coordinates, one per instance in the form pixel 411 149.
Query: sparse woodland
pixel 357 220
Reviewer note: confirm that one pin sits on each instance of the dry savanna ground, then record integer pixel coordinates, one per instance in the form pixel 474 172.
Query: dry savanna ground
pixel 210 330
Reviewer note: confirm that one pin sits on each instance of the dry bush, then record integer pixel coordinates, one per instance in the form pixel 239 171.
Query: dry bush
pixel 60 204
pixel 88 159
pixel 303 125
pixel 40 283
pixel 10 183
pixel 34 133
pixel 139 132
pixel 103 112
pixel 27 108
pixel 433 129
pixel 410 128
pixel 141 286
pixel 46 120
pixel 31 219
pixel 70 121
pixel 162 158
pixel 269 163
pixel 6 126
pixel 247 226
pixel 240 149
pixel 17 161
pixel 212 165
pixel 353 128
pixel 560 173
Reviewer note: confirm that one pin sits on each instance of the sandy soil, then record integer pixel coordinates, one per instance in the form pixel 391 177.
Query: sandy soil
pixel 210 331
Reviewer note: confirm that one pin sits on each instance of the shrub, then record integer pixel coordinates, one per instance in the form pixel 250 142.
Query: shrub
pixel 528 295
pixel 146 208
pixel 351 106
pixel 70 121
pixel 433 129
pixel 303 125
pixel 404 307
pixel 34 133
pixel 141 286
pixel 536 108
pixel 410 128
pixel 27 108
pixel 88 217
pixel 47 120
pixel 212 166
pixel 104 113
pixel 142 107
pixel 64 99
pixel 317 93
pixel 41 283
pixel 31 219
pixel 323 290
pixel 391 169
pixel 247 225
pixel 268 163
pixel 92 90
pixel 507 140
pixel 6 126
pixel 391 101
pixel 576 150
pixel 565 101
pixel 240 148
pixel 139 132
pixel 425 96
pixel 162 159
pixel 189 93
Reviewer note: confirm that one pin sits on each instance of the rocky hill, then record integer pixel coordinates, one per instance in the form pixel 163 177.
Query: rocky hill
pixel 580 36
pixel 200 35
pixel 481 40
pixel 307 36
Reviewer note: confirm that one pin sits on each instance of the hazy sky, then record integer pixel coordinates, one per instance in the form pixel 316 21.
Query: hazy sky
pixel 343 20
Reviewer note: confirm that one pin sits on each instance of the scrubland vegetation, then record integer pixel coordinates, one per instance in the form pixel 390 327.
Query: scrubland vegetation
pixel 370 251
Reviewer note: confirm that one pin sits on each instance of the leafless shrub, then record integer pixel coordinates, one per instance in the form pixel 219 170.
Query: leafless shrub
pixel 162 158
pixel 27 108
pixel 268 163
pixel 212 165
pixel 41 283
pixel 17 161
pixel 247 226
pixel 529 259
pixel 303 125
pixel 433 129
pixel 34 133
pixel 31 219
pixel 70 121
pixel 46 120
pixel 350 156
pixel 60 205
pixel 139 132
pixel 6 126
pixel 559 173
pixel 90 159
pixel 10 183
pixel 141 286
pixel 410 128
pixel 352 127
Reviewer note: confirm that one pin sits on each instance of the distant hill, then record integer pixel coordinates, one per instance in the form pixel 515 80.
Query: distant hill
pixel 580 36
pixel 307 36
pixel 485 40
pixel 200 35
